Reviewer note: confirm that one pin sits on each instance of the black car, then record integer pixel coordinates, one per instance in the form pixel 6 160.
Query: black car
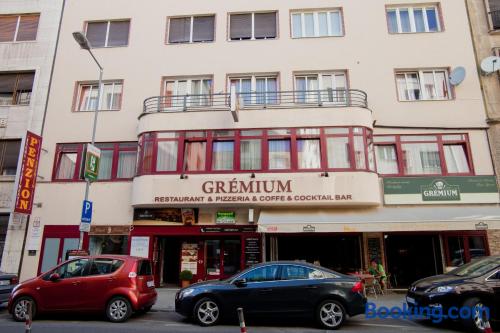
pixel 7 283
pixel 473 285
pixel 275 288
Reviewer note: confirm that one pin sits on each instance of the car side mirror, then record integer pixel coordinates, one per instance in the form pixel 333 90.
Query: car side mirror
pixel 240 283
pixel 54 277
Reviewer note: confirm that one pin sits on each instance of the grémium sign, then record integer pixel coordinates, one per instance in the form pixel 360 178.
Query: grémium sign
pixel 440 190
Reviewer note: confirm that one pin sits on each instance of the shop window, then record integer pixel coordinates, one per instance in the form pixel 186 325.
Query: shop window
pixel 108 244
pixel 16 88
pixel 108 33
pixel 9 155
pixel 18 28
pixel 463 248
pixel 111 96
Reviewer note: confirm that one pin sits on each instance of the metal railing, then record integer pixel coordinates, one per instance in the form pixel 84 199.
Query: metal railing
pixel 495 19
pixel 258 100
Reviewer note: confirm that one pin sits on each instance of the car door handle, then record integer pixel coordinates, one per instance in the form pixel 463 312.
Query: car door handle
pixel 311 287
pixel 111 279
pixel 266 290
pixel 76 283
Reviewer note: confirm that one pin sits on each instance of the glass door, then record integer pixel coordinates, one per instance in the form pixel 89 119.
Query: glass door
pixel 231 262
pixel 55 251
pixel 212 259
pixel 222 258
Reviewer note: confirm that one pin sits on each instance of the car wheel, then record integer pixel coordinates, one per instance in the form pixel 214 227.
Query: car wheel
pixel 206 312
pixel 330 314
pixel 476 322
pixel 20 308
pixel 118 309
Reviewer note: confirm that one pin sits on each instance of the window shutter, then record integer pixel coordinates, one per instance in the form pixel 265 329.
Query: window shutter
pixel 7 28
pixel 7 84
pixel 265 25
pixel 203 29
pixel 241 26
pixel 96 33
pixel 118 33
pixel 28 27
pixel 180 29
pixel 25 82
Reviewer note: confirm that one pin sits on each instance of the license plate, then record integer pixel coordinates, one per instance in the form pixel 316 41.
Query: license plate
pixel 150 284
pixel 410 300
pixel 4 283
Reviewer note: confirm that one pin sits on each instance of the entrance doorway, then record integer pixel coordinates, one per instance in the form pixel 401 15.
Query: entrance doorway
pixel 222 257
pixel 171 248
pixel 341 253
pixel 412 257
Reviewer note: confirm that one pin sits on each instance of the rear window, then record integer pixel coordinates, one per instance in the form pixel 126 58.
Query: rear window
pixel 144 268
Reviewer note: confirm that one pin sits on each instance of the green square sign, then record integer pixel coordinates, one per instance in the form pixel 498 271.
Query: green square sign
pixel 92 161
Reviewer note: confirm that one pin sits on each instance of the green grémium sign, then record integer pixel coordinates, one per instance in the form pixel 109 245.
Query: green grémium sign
pixel 440 190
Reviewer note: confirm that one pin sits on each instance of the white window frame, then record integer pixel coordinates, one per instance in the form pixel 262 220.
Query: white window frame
pixel 107 31
pixel 253 84
pixel 189 82
pixel 423 91
pixel 341 98
pixel 316 23
pixel 253 25
pixel 413 28
pixel 99 103
pixel 190 28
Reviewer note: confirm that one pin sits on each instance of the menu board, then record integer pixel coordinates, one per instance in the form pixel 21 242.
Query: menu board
pixel 252 251
pixel 189 257
pixel 374 249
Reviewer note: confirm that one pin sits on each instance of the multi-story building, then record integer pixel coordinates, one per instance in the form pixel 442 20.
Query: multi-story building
pixel 484 16
pixel 236 132
pixel 28 35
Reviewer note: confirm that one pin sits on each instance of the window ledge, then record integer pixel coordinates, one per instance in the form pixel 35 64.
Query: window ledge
pixel 318 37
pixel 427 100
pixel 19 42
pixel 415 33
pixel 7 178
pixel 14 105
pixel 191 43
pixel 92 111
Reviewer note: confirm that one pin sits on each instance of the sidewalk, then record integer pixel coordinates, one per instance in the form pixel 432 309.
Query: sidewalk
pixel 166 299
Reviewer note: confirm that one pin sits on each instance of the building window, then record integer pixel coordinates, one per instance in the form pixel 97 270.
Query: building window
pixel 222 155
pixel 252 26
pixel 461 249
pixel 108 244
pixel 423 85
pixel 308 148
pixel 167 151
pixel 118 161
pixel 319 88
pixel 195 153
pixel 18 28
pixel 251 150
pixel 16 88
pixel 191 29
pixel 317 24
pixel 187 92
pixel 9 155
pixel 108 33
pixel 413 19
pixel 111 96
pixel 415 155
pixel 256 89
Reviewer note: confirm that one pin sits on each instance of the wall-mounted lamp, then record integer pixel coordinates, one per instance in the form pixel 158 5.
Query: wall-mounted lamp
pixel 324 174
pixel 183 176
pixel 252 175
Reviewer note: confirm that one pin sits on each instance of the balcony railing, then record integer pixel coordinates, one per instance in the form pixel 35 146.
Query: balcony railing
pixel 258 100
pixel 495 19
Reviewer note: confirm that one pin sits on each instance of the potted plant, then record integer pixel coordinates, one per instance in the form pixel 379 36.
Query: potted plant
pixel 186 276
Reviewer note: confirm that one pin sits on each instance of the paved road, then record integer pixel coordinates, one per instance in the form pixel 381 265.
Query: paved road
pixel 167 321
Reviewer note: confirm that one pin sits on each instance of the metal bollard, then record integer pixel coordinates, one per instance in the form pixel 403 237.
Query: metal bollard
pixel 28 318
pixel 241 318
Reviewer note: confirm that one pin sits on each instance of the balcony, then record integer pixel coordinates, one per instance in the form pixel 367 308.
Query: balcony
pixel 334 107
pixel 495 19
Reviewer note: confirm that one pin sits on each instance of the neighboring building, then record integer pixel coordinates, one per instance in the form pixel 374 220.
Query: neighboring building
pixel 324 132
pixel 484 16
pixel 28 34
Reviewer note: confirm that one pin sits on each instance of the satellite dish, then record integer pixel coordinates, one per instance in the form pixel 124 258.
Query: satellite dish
pixel 490 65
pixel 457 76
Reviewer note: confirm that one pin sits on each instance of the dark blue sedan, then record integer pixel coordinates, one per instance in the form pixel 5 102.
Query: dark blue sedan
pixel 277 289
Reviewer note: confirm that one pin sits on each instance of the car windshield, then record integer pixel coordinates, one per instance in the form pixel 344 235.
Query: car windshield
pixel 476 268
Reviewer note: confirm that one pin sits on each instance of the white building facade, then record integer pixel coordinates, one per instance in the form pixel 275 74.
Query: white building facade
pixel 235 132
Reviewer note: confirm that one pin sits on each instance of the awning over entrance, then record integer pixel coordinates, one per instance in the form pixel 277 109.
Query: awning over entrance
pixel 380 219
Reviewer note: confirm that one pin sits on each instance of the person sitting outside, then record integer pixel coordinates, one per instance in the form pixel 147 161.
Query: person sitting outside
pixel 377 270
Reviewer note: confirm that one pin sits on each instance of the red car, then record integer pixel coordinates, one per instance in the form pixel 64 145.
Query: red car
pixel 116 285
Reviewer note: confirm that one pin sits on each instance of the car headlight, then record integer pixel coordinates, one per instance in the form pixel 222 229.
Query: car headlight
pixel 186 292
pixel 442 289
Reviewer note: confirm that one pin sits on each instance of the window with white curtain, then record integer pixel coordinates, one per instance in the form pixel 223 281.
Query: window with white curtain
pixel 423 85
pixel 187 92
pixel 67 165
pixel 324 88
pixel 317 24
pixel 222 155
pixel 256 89
pixel 338 152
pixel 191 29
pixel 105 162
pixel 126 164
pixel 166 158
pixel 309 156
pixel 413 19
pixel 250 154
pixel 111 96
pixel 195 155
pixel 421 158
pixel 456 158
pixel 279 154
pixel 387 160
pixel 253 26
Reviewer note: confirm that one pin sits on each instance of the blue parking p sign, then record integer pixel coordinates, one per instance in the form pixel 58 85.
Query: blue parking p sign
pixel 87 211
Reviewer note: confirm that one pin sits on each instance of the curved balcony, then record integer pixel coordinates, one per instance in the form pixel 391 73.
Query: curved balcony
pixel 329 107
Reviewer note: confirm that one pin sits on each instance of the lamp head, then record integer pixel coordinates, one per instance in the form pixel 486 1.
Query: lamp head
pixel 81 40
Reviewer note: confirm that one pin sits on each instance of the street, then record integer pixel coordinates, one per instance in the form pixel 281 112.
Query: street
pixel 169 321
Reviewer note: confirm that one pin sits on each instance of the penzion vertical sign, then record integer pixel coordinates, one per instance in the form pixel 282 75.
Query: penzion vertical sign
pixel 27 176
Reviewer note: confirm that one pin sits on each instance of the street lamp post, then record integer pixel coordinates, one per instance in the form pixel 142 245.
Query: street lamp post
pixel 84 43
